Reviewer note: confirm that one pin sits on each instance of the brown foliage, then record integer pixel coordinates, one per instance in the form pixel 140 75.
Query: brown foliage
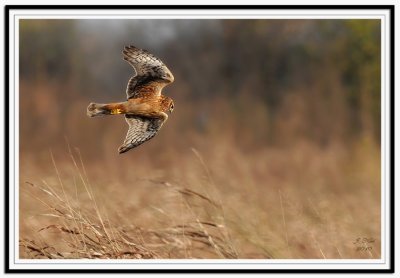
pixel 272 151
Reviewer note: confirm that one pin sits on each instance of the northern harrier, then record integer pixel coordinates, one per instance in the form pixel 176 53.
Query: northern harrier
pixel 146 108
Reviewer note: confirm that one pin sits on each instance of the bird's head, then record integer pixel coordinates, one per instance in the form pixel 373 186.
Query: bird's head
pixel 167 104
pixel 171 106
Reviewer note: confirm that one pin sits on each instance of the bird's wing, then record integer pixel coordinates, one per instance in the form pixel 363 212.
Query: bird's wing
pixel 151 73
pixel 141 129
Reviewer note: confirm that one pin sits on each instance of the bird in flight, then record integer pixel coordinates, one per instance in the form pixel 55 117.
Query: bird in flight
pixel 146 108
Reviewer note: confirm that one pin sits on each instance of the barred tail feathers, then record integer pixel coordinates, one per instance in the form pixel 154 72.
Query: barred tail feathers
pixel 97 109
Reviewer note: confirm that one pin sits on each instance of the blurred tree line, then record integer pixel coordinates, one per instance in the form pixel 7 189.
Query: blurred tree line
pixel 269 81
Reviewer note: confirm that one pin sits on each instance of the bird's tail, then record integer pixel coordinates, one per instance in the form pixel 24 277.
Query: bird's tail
pixel 97 109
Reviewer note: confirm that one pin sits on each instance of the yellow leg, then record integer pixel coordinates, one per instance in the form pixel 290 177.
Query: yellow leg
pixel 116 111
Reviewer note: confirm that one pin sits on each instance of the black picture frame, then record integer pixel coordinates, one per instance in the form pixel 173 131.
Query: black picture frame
pixel 7 88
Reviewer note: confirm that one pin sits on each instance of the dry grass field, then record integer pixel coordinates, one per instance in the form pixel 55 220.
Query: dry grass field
pixel 300 202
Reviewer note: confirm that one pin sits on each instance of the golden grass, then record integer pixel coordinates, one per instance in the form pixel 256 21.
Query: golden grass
pixel 294 202
pixel 81 230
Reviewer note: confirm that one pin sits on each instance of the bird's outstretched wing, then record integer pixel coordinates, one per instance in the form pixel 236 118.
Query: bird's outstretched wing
pixel 141 129
pixel 151 73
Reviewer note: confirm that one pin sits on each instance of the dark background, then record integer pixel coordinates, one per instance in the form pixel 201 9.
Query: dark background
pixel 268 82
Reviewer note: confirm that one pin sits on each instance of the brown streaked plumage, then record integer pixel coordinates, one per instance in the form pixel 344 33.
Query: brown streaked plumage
pixel 146 108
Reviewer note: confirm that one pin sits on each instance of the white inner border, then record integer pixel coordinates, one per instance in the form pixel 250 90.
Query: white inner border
pixel 16 263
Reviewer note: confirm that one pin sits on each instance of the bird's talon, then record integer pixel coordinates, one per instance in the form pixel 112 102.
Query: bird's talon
pixel 116 111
